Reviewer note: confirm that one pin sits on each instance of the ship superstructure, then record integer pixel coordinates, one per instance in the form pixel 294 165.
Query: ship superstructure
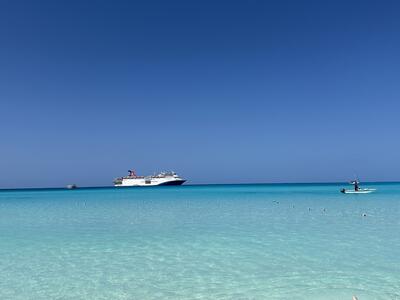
pixel 163 178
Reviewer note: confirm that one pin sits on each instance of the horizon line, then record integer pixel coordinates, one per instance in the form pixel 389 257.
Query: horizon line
pixel 195 184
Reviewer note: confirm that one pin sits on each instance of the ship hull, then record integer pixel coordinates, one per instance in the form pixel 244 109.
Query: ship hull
pixel 175 182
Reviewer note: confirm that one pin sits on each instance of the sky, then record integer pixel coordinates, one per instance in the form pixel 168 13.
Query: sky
pixel 218 91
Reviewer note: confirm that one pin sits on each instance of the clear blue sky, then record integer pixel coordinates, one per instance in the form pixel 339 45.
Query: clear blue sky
pixel 219 91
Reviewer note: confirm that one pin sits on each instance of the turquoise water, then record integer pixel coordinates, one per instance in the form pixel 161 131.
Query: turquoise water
pixel 201 242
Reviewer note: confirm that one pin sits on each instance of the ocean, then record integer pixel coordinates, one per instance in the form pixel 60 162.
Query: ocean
pixel 272 241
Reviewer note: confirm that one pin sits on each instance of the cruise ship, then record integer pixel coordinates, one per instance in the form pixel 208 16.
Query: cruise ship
pixel 163 178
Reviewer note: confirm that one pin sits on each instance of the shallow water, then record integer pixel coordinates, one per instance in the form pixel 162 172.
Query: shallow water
pixel 300 241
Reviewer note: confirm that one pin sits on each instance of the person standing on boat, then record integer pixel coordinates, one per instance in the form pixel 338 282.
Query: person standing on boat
pixel 356 187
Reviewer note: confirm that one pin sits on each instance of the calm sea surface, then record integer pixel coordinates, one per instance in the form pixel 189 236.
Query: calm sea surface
pixel 300 241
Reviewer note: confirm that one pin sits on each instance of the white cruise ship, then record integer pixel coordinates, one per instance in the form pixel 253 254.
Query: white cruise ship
pixel 163 178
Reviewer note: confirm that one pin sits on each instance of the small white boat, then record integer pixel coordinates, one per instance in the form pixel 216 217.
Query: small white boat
pixel 356 189
pixel 360 191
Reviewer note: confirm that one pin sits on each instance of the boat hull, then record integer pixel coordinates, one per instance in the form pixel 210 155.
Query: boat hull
pixel 155 182
pixel 175 182
pixel 364 191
